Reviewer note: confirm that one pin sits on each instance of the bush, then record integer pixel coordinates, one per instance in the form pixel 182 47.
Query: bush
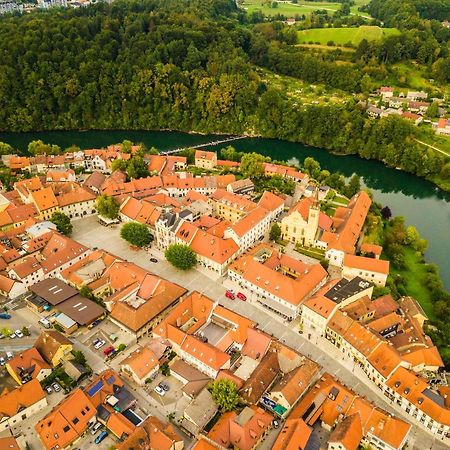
pixel 165 369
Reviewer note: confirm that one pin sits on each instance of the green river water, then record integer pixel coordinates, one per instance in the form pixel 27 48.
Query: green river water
pixel 419 201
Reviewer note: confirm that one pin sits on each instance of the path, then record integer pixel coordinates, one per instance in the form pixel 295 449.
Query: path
pixel 433 147
pixel 208 144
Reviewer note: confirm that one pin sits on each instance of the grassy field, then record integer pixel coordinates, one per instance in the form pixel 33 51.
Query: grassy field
pixel 441 142
pixel 344 35
pixel 414 276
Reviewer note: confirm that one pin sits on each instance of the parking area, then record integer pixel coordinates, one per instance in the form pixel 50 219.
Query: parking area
pixel 172 392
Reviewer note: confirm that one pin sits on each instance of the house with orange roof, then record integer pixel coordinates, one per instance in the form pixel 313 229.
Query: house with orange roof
pixel 243 186
pixel 20 404
pixel 203 444
pixel 26 186
pixel 19 163
pixel 230 206
pixel 371 250
pixel 205 160
pixel 9 443
pixel 303 223
pixel 347 225
pixel 11 288
pixel 67 422
pixel 247 230
pixel 424 360
pixel 45 202
pixel 60 176
pixel 374 270
pixel 134 210
pixel 199 412
pixel 243 431
pixel 27 270
pixel 75 201
pixel 295 435
pixel 153 434
pixel 140 365
pixel 277 281
pixel 347 435
pixel 28 365
pixel 272 203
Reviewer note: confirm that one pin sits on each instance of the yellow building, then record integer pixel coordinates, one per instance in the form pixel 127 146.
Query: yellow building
pixel 45 202
pixel 205 160
pixel 54 347
pixel 229 206
pixel 301 225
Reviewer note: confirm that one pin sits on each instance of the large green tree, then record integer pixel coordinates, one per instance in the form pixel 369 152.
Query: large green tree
pixel 181 256
pixel 136 234
pixel 225 393
pixel 107 206
pixel 62 222
pixel 252 165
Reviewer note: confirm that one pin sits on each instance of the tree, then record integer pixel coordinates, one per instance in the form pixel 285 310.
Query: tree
pixel 225 394
pixel 26 331
pixel 6 149
pixel 311 166
pixel 62 223
pixel 119 164
pixel 275 232
pixel 107 206
pixel 137 168
pixel 386 212
pixel 433 110
pixel 354 186
pixel 126 146
pixel 79 357
pixel 230 154
pixel 181 256
pixel 251 165
pixel 39 148
pixel 136 234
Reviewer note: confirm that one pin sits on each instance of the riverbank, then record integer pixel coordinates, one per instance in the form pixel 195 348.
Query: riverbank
pixel 407 195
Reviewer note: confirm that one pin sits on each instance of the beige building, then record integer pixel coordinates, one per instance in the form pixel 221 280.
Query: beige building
pixel 205 160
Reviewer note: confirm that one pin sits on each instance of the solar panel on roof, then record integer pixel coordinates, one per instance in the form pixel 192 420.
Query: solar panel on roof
pixel 94 389
pixel 111 379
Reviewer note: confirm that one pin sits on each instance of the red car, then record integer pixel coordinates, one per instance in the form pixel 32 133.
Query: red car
pixel 108 350
pixel 241 296
pixel 230 295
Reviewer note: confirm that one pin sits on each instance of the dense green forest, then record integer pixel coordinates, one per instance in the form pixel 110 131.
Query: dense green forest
pixel 192 65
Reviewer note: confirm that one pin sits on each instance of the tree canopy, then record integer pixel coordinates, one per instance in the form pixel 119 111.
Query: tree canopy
pixel 62 223
pixel 181 256
pixel 136 234
pixel 107 206
pixel 225 393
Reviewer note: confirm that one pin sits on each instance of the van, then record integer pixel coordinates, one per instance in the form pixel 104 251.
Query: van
pixel 45 323
pixel 96 427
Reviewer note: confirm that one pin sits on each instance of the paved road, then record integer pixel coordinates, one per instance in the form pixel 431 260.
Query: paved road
pixel 89 232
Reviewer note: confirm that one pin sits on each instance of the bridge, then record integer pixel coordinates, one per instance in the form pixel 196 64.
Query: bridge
pixel 208 144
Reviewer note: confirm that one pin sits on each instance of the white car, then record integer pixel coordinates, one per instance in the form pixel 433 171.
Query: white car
pixel 2 361
pixel 99 344
pixel 159 390
pixel 18 333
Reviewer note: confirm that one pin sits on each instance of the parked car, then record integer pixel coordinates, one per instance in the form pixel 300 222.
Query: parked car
pixel 275 423
pixel 19 334
pixel 12 336
pixel 2 361
pixel 9 355
pixel 56 387
pixel 241 296
pixel 230 294
pixel 94 342
pixel 153 260
pixel 49 389
pixel 99 344
pixel 101 436
pixel 159 390
pixel 108 350
pixel 5 316
pixel 165 386
pixel 96 427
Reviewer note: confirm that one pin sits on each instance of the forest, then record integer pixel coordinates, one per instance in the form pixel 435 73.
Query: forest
pixel 193 66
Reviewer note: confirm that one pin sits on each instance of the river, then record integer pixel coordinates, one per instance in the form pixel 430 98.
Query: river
pixel 419 201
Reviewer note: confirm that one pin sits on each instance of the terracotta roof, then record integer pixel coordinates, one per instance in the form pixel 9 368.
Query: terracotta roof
pixel 28 359
pixel 371 248
pixel 76 195
pixel 361 339
pixel 303 207
pixel 385 305
pixel 142 362
pixel 321 305
pixel 49 342
pixel 26 266
pixel 293 436
pixel 11 403
pixel 428 356
pixel 44 199
pixel 250 221
pixel 270 201
pixel 9 443
pixel 348 433
pixel 359 308
pixel 206 353
pixel 369 264
pixel 153 434
pixel 201 444
pixel 385 359
pixel 241 431
pixel 201 154
pixel 384 323
pixel 6 284
pixel 213 247
pixel 257 344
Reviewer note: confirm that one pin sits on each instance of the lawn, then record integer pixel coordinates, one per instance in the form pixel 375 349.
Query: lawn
pixel 426 134
pixel 343 36
pixel 292 9
pixel 414 276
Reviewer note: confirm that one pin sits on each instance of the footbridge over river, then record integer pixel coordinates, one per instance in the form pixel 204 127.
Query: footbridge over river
pixel 208 144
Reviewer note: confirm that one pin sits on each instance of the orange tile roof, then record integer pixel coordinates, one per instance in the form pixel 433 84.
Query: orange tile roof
pixel 142 362
pixel 76 195
pixel 25 266
pixel 153 434
pixel 428 356
pixel 250 221
pixel 294 435
pixel 371 248
pixel 383 323
pixel 270 201
pixel 11 403
pixel 369 264
pixel 67 421
pixel 118 424
pixel 303 207
pixel 385 305
pixel 257 344
pixel 27 359
pixel 44 199
pixel 201 444
pixel 385 359
pixel 213 247
pixel 9 443
pixel 321 305
pixel 241 431
pixel 348 433
pixel 205 352
pixel 360 338
pixel 202 154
